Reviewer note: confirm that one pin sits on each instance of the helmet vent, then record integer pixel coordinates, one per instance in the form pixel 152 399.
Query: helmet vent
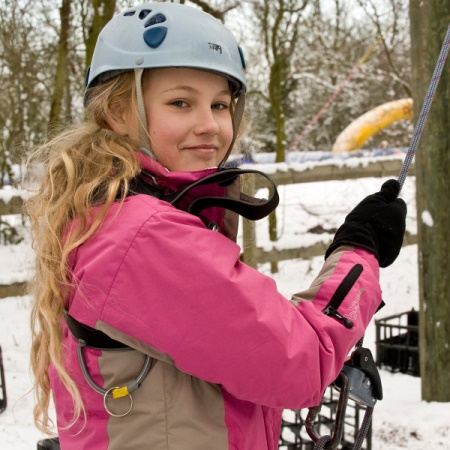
pixel 130 13
pixel 144 13
pixel 158 18
pixel 154 37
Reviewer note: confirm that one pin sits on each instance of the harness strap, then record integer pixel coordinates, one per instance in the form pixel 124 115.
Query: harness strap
pixel 90 336
pixel 249 207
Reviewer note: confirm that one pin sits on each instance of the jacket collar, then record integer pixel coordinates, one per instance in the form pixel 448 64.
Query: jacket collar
pixel 168 182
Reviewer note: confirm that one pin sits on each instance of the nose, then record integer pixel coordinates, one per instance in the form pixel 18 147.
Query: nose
pixel 206 122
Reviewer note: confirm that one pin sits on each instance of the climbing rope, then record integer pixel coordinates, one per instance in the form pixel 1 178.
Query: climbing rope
pixel 425 109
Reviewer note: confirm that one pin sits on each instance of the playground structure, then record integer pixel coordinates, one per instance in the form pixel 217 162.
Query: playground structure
pixel 365 126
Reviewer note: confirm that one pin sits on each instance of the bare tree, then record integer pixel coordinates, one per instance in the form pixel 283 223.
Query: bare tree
pixel 218 12
pixel 338 42
pixel 429 22
pixel 27 44
pixel 61 68
pixel 278 23
pixel 379 18
pixel 95 15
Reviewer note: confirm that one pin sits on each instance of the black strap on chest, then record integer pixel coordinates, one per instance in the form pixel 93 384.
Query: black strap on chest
pixel 249 207
pixel 92 337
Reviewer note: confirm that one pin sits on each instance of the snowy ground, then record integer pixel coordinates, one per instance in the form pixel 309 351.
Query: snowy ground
pixel 401 420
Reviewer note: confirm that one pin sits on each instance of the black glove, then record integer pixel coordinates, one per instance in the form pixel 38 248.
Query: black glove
pixel 377 224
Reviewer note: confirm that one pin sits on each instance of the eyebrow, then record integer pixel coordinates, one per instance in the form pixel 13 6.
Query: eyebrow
pixel 191 89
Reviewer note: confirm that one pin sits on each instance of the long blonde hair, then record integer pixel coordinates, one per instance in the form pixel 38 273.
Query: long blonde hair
pixel 86 165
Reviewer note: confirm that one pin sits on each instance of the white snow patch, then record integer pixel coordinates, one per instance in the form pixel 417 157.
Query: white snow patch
pixel 427 219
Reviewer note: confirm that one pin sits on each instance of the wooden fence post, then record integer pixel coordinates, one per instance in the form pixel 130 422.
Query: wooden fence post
pixel 248 226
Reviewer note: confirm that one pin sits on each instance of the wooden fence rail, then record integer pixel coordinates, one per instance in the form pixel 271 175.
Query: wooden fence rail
pixel 304 173
pixel 13 206
pixel 283 175
pixel 307 173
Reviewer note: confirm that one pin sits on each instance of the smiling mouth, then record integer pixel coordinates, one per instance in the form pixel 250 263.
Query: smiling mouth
pixel 203 148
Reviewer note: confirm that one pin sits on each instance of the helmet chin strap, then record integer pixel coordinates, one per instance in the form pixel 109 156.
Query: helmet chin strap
pixel 237 117
pixel 144 139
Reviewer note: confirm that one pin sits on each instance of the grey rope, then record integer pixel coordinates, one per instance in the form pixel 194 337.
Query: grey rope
pixel 320 444
pixel 364 428
pixel 425 109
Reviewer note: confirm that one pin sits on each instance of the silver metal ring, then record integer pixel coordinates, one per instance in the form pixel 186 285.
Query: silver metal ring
pixel 107 394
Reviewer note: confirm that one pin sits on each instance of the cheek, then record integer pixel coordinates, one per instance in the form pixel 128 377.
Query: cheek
pixel 161 131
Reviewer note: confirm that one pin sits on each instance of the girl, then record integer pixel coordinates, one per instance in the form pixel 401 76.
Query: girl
pixel 148 331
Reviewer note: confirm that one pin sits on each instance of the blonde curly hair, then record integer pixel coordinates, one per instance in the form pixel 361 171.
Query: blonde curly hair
pixel 84 166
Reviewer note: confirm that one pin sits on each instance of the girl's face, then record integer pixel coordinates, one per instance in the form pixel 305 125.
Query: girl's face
pixel 189 117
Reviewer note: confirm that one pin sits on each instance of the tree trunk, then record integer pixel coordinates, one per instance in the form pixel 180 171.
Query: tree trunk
pixel 429 23
pixel 278 72
pixel 103 13
pixel 61 69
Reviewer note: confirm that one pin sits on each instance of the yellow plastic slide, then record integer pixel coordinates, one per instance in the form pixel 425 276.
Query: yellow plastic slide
pixel 361 129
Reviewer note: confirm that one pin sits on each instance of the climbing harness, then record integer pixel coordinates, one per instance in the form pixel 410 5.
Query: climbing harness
pixel 92 338
pixel 249 207
pixel 425 108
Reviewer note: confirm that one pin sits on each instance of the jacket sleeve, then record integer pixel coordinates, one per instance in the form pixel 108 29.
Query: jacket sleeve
pixel 183 290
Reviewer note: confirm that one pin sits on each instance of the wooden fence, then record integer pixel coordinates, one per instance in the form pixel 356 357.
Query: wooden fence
pixel 382 167
pixel 284 175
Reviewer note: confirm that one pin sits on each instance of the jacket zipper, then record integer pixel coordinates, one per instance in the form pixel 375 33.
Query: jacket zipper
pixel 343 289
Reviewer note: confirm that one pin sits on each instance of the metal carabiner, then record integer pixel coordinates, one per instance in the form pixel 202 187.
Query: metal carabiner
pixel 333 441
pixel 110 394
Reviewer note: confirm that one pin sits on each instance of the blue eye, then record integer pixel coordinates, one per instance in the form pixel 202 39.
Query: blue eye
pixel 219 106
pixel 179 103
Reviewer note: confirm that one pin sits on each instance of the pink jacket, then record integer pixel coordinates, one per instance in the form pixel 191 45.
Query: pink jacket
pixel 230 352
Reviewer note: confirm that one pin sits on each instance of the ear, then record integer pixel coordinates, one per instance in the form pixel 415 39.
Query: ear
pixel 118 120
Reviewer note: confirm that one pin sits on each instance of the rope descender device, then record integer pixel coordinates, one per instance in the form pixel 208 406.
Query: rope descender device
pixel 360 381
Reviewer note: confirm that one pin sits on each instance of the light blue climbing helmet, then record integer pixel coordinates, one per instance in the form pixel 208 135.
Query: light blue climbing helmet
pixel 157 35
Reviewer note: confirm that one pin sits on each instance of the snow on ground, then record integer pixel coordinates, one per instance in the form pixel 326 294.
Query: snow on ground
pixel 401 420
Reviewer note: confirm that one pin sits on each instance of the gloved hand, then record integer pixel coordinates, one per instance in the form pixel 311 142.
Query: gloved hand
pixel 377 224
